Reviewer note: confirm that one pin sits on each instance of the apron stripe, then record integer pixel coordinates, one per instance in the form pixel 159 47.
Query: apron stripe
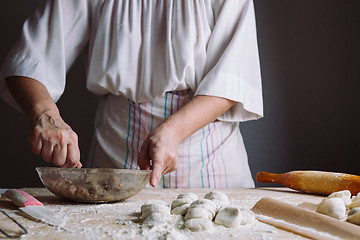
pixel 145 121
pixel 171 112
pixel 133 137
pixel 183 143
pixel 127 136
pixel 189 162
pixel 222 158
pixel 208 157
pixel 189 145
pixel 202 158
pixel 213 154
pixel 217 153
pixel 166 97
pixel 138 137
pixel 152 117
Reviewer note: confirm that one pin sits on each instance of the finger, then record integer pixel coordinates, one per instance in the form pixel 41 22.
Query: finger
pixel 35 144
pixel 168 169
pixel 73 156
pixel 46 151
pixel 155 175
pixel 144 157
pixel 59 155
pixel 171 164
pixel 79 165
pixel 157 169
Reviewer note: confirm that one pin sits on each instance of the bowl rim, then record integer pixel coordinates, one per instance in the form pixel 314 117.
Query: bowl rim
pixel 93 170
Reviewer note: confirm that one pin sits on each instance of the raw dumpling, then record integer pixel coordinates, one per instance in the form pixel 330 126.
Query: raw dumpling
pixel 232 217
pixel 205 204
pixel 345 195
pixel 181 210
pixel 181 205
pixel 356 198
pixel 154 213
pixel 199 224
pixel 218 197
pixel 354 216
pixel 200 214
pixel 191 196
pixel 333 207
pixel 355 202
pixel 354 205
pixel 148 209
pixel 155 219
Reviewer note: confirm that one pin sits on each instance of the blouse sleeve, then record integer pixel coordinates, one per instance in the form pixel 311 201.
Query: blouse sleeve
pixel 232 68
pixel 51 40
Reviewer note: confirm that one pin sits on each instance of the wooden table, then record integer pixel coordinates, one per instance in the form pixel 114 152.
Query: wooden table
pixel 121 220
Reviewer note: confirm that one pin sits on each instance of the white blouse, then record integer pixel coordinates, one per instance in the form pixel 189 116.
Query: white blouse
pixel 142 49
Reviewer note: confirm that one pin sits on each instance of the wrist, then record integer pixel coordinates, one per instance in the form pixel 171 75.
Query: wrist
pixel 42 110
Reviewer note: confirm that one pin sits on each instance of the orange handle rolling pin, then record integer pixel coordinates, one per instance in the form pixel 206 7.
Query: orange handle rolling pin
pixel 316 182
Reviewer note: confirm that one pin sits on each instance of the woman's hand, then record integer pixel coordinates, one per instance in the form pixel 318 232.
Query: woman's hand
pixel 51 137
pixel 55 141
pixel 161 147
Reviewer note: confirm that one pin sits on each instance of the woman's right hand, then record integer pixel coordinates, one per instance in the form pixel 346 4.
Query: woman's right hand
pixel 51 138
pixel 55 141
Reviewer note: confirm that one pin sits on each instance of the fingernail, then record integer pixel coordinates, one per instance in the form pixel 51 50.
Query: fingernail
pixel 156 182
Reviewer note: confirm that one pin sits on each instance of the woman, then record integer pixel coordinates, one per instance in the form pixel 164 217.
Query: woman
pixel 176 78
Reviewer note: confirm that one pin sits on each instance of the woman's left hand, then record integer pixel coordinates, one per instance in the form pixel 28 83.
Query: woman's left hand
pixel 161 147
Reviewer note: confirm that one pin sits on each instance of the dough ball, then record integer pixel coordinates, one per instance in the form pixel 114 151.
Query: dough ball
pixel 233 217
pixel 229 217
pixel 199 224
pixel 248 216
pixel 157 202
pixel 218 197
pixel 354 210
pixel 155 218
pixel 178 202
pixel 148 209
pixel 198 212
pixel 356 198
pixel 180 210
pixel 192 196
pixel 206 204
pixel 333 207
pixel 354 204
pixel 354 216
pixel 345 195
pixel 180 205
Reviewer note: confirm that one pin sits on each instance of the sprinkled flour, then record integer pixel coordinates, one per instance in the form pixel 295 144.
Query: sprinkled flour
pixel 122 220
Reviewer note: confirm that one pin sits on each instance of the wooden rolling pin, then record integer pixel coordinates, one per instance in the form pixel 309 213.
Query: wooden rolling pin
pixel 303 222
pixel 316 182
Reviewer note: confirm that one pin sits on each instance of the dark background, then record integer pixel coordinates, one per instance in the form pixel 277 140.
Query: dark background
pixel 310 60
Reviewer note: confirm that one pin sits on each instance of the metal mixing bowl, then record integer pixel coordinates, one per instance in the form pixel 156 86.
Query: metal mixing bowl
pixel 93 185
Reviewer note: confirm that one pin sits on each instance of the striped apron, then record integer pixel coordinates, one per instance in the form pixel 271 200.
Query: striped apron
pixel 213 157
